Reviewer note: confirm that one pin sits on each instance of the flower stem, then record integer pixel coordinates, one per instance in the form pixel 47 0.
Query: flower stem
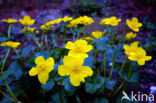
pixel 9 31
pixel 2 68
pixel 16 51
pixel 23 43
pixel 4 94
pixel 5 83
pixel 46 40
pixel 110 75
pixel 36 41
pixel 61 96
pixel 130 71
pixel 123 64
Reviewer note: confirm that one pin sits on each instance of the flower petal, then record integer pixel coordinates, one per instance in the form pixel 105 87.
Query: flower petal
pixel 43 77
pixel 76 79
pixel 33 72
pixel 69 45
pixel 148 58
pixel 141 62
pixel 63 70
pixel 39 60
pixel 87 71
pixel 88 48
pixel 49 64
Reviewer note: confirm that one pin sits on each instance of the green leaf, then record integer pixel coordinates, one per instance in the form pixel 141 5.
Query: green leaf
pixel 68 86
pixel 6 74
pixel 110 83
pixel 96 84
pixel 48 86
pixel 134 77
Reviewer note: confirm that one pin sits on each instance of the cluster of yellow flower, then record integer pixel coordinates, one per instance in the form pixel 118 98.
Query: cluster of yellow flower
pixel 82 20
pixel 136 53
pixel 49 25
pixel 133 25
pixel 73 63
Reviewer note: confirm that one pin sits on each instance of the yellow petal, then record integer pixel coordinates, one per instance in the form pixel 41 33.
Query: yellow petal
pixel 135 44
pixel 39 60
pixel 27 17
pixel 133 58
pixel 33 72
pixel 126 47
pixel 88 48
pixel 67 60
pixel 141 62
pixel 134 19
pixel 76 79
pixel 43 77
pixel 72 53
pixel 69 45
pixel 64 70
pixel 49 64
pixel 86 71
pixel 148 58
pixel 81 42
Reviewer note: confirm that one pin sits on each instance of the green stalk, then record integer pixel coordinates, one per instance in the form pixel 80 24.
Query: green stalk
pixel 46 40
pixel 130 71
pixel 25 35
pixel 16 51
pixel 4 94
pixel 9 31
pixel 110 75
pixel 36 41
pixel 23 43
pixel 5 83
pixel 123 64
pixel 61 96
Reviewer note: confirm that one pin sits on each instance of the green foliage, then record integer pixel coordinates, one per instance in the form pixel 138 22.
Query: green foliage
pixel 85 7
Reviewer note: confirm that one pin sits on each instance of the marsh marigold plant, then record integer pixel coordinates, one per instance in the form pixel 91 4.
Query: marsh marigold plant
pixel 113 21
pixel 42 69
pixel 79 48
pixel 27 20
pixel 134 24
pixel 10 21
pixel 11 44
pixel 74 68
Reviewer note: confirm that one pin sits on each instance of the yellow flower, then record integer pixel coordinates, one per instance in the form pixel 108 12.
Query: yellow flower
pixel 113 21
pixel 88 38
pixel 139 56
pixel 42 69
pixel 66 18
pixel 74 68
pixel 29 30
pixel 37 32
pixel 131 49
pixel 79 48
pixel 11 21
pixel 11 44
pixel 134 24
pixel 27 20
pixel 130 35
pixel 82 20
pixel 57 21
pixel 45 27
pixel 97 34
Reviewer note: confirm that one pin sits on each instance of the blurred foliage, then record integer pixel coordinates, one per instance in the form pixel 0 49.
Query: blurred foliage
pixel 88 7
